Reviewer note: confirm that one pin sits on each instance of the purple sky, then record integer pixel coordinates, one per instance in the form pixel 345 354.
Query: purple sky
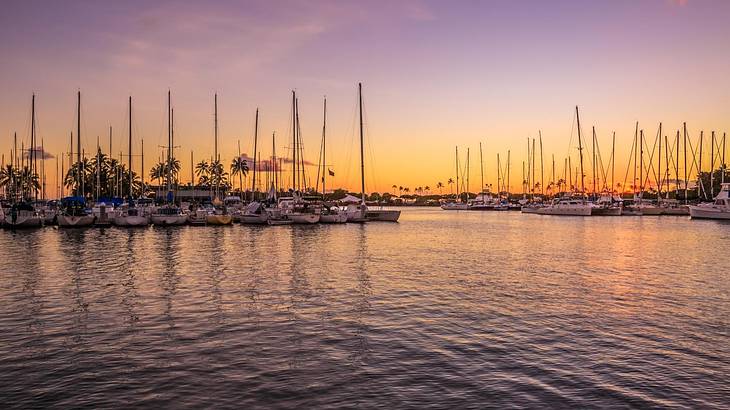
pixel 436 74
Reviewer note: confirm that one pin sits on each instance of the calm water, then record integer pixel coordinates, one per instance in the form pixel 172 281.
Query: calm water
pixel 444 309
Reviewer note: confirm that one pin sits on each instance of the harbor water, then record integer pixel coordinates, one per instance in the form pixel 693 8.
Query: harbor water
pixel 443 309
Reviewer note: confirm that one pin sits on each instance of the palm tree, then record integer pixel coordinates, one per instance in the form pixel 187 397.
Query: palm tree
pixel 239 167
pixel 440 186
pixel 400 189
pixel 451 186
pixel 394 188
pixel 202 171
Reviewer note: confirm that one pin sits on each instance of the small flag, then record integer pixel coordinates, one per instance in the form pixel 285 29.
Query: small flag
pixel 331 172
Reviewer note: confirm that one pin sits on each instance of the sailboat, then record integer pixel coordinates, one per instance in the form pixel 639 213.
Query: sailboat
pixel 570 206
pixel 74 211
pixel 455 205
pixel 361 213
pixel 255 212
pixel 330 213
pixel 219 214
pixel 22 214
pixel 296 208
pixel 169 214
pixel 130 214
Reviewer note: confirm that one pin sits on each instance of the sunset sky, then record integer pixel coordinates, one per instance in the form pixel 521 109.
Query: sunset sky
pixel 435 75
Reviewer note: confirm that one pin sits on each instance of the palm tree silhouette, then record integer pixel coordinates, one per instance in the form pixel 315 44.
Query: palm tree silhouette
pixel 440 186
pixel 451 186
pixel 239 167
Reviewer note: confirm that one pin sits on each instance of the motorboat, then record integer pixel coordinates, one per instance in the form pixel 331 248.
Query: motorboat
pixel 606 205
pixel 719 209
pixel 567 206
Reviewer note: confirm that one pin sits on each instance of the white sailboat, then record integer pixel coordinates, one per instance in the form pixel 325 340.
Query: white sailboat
pixel 363 213
pixel 719 209
pixel 570 206
pixel 74 213
pixel 329 213
pixel 218 214
pixel 131 215
pixel 169 214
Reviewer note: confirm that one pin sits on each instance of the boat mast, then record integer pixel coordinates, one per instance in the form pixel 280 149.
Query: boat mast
pixel 641 164
pixel 324 148
pixel 712 165
pixel 509 163
pixel 32 145
pixel 468 160
pixel 169 139
pixel 457 172
pixel 255 150
pixel 293 139
pixel 542 166
pixel 684 126
pixel 580 151
pixel 215 138
pixel 499 176
pixel 78 147
pixel 481 168
pixel 130 149
pixel 362 148
pixel 593 147
pixel 659 182
pixel 274 163
pixel 613 161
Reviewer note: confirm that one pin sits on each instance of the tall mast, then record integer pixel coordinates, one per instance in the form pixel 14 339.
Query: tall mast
pixel 481 168
pixel 215 115
pixel 712 165
pixel 293 140
pixel 499 176
pixel 143 165
pixel 676 168
pixel 362 148
pixel 324 148
pixel 542 166
pixel 255 150
pixel 509 164
pixel 641 163
pixel 468 160
pixel 79 192
pixel 532 188
pixel 699 167
pixel 666 160
pixel 593 147
pixel 457 172
pixel 32 145
pixel 636 150
pixel 273 164
pixel 98 169
pixel 130 149
pixel 722 177
pixel 169 138
pixel 580 151
pixel 684 126
pixel 659 182
pixel 613 160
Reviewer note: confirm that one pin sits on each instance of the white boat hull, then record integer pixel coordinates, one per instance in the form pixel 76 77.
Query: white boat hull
pixel 128 220
pixel 600 211
pixel 565 211
pixel 69 221
pixel 529 210
pixel 678 210
pixel 23 221
pixel 455 207
pixel 707 212
pixel 254 219
pixel 338 218
pixel 298 218
pixel 384 215
pixel 169 220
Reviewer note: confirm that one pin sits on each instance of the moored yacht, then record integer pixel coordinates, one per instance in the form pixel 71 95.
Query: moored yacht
pixel 720 209
pixel 22 215
pixel 567 206
pixel 74 213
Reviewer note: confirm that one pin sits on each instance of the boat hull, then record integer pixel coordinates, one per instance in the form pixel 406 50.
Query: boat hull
pixel 606 211
pixel 130 221
pixel 651 210
pixel 168 220
pixel 382 215
pixel 253 219
pixel 565 211
pixel 455 207
pixel 338 218
pixel 70 221
pixel 706 212
pixel 23 221
pixel 530 210
pixel 679 210
pixel 303 219
pixel 219 219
